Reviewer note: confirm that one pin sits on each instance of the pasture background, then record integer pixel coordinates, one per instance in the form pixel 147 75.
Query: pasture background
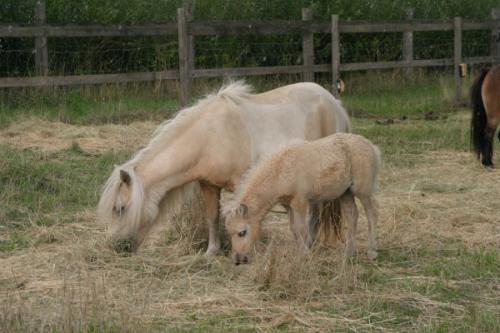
pixel 439 233
pixel 437 271
pixel 99 55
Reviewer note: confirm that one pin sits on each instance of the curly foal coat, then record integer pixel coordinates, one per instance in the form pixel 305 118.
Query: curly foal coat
pixel 338 166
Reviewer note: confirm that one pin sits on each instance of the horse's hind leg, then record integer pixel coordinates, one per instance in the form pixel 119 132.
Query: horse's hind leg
pixel 372 216
pixel 349 214
pixel 211 196
pixel 487 152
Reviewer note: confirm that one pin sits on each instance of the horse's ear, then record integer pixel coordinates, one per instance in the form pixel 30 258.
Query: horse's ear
pixel 243 210
pixel 125 177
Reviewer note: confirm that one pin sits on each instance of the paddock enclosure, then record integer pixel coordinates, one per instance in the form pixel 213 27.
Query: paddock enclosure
pixel 438 264
pixel 83 88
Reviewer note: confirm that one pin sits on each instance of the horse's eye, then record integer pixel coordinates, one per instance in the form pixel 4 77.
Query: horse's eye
pixel 242 233
pixel 119 210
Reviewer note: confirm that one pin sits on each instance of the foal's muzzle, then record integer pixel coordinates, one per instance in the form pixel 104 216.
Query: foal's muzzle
pixel 240 259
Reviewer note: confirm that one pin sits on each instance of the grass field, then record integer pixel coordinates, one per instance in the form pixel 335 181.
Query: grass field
pixel 438 268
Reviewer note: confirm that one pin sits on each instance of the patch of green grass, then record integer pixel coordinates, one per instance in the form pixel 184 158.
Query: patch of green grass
pixel 466 264
pixel 34 184
pixel 239 321
pixel 439 290
pixel 387 94
pixel 410 101
pixel 87 105
pixel 402 142
pixel 13 242
pixel 476 319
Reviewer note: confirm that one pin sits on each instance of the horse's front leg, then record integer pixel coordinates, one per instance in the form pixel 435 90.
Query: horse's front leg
pixel 211 197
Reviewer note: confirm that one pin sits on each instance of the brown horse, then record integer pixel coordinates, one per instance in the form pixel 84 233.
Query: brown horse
pixel 485 100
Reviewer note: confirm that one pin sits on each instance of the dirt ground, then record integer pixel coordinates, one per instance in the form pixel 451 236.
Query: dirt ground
pixel 446 198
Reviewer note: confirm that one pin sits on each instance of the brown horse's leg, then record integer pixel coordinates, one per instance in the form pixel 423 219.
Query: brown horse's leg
pixel 211 196
pixel 487 152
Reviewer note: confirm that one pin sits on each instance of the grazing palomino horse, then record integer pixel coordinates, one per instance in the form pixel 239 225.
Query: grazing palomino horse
pixel 485 100
pixel 299 176
pixel 213 142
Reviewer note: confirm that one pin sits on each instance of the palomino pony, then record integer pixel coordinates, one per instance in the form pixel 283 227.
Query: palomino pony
pixel 485 100
pixel 300 176
pixel 213 142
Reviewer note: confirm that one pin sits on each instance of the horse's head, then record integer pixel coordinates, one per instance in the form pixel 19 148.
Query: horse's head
pixel 126 209
pixel 244 230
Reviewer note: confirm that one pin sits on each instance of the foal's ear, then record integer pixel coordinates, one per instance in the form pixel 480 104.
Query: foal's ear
pixel 243 210
pixel 125 177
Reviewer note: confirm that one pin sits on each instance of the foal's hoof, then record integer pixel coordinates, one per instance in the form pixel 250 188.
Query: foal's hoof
pixel 372 255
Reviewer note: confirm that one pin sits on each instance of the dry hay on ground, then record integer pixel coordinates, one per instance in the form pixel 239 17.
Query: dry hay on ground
pixel 75 281
pixel 52 136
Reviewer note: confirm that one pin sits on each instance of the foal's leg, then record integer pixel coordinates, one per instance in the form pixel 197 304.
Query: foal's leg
pixel 372 216
pixel 211 196
pixel 299 222
pixel 350 218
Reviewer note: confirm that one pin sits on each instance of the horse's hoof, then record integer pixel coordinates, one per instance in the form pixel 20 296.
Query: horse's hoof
pixel 372 255
pixel 212 252
pixel 489 167
pixel 349 252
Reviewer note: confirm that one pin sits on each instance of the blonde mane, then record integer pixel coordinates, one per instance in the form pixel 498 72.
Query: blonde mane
pixel 236 92
pixel 230 208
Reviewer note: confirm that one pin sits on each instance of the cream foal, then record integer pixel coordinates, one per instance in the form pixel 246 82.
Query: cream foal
pixel 300 175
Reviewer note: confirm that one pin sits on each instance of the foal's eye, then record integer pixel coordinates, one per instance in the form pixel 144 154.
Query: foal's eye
pixel 242 233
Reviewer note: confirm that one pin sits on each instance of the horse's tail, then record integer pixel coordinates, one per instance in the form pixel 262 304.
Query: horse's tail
pixel 326 223
pixel 479 120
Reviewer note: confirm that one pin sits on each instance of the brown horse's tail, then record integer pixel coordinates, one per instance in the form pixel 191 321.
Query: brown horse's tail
pixel 326 223
pixel 479 121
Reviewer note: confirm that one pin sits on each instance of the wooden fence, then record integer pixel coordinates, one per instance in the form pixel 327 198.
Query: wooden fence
pixel 186 30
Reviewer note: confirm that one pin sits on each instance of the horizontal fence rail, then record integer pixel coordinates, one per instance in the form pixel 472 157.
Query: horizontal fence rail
pixel 186 30
pixel 237 28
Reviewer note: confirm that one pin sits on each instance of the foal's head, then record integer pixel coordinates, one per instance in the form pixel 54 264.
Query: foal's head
pixel 244 230
pixel 126 209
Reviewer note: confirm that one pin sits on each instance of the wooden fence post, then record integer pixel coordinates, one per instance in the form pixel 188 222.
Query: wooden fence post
pixel 495 37
pixel 188 6
pixel 335 54
pixel 457 26
pixel 184 61
pixel 408 47
pixel 307 48
pixel 41 50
